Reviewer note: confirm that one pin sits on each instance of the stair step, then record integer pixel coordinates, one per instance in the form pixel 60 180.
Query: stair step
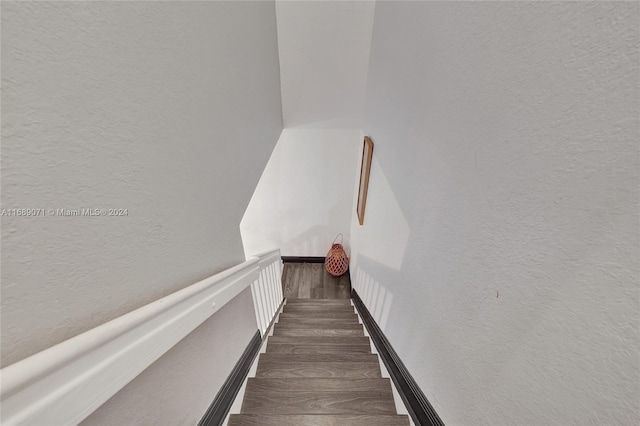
pixel 341 357
pixel 322 315
pixel 317 420
pixel 324 302
pixel 304 321
pixel 318 309
pixel 319 340
pixel 320 332
pixel 288 348
pixel 275 368
pixel 284 401
pixel 318 384
pixel 319 325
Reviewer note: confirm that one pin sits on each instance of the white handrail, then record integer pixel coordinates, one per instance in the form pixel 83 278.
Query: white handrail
pixel 67 382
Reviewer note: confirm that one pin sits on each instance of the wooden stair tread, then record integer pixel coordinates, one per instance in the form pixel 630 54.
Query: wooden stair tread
pixel 257 384
pixel 281 401
pixel 331 324
pixel 319 340
pixel 320 315
pixel 290 348
pixel 299 307
pixel 341 357
pixel 274 368
pixel 304 321
pixel 345 302
pixel 320 332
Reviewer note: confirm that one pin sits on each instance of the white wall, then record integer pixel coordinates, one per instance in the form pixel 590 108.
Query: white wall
pixel 214 347
pixel 500 246
pixel 167 109
pixel 324 55
pixel 305 193
pixel 304 197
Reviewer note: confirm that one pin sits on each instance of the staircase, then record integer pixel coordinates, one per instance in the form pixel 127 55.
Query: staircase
pixel 318 370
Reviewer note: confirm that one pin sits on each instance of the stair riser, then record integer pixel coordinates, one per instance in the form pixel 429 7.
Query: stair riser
pixel 297 332
pixel 314 358
pixel 320 302
pixel 318 316
pixel 319 340
pixel 285 348
pixel 352 325
pixel 276 369
pixel 300 321
pixel 318 403
pixel 319 309
pixel 258 385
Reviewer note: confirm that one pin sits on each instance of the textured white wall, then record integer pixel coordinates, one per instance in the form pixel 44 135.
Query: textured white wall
pixel 500 247
pixel 305 195
pixel 324 55
pixel 208 347
pixel 167 109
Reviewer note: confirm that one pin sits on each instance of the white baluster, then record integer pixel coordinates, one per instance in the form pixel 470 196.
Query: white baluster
pixel 263 300
pixel 268 298
pixel 255 293
pixel 267 290
pixel 271 285
pixel 279 269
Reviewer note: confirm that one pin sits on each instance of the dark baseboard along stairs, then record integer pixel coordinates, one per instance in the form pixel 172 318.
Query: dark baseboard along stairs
pixel 318 370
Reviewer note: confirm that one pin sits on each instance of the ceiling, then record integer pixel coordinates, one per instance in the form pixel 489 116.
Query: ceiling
pixel 324 56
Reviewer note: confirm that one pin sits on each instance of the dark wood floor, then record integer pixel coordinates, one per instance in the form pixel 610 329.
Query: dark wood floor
pixel 312 281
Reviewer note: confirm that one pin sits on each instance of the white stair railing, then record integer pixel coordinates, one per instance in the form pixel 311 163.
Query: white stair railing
pixel 267 289
pixel 62 385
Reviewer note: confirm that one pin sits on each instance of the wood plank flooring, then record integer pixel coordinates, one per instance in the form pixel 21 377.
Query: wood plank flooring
pixel 312 281
pixel 318 369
